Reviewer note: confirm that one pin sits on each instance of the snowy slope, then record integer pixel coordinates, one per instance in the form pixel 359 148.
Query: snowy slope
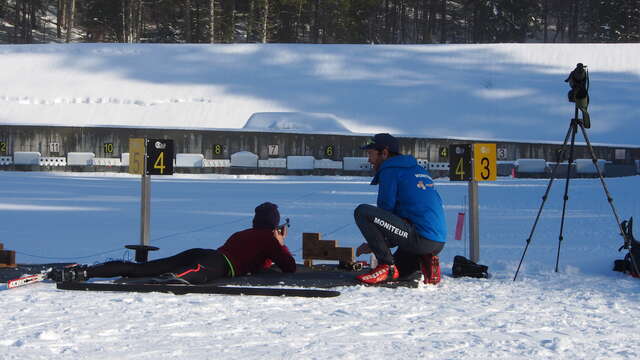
pixel 586 311
pixel 507 91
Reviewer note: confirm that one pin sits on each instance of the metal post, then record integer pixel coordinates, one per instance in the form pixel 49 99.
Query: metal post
pixel 145 208
pixel 138 152
pixel 474 223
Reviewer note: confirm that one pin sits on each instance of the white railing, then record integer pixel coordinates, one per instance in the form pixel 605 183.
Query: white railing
pixel 53 161
pixel 356 163
pixel 6 160
pixel 439 166
pixel 80 158
pixel 279 163
pixel 327 164
pixel 107 162
pixel 216 163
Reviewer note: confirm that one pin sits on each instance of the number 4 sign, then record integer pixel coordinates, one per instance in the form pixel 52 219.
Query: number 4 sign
pixel 159 157
pixel 460 162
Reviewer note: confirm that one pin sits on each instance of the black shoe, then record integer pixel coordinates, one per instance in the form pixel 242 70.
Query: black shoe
pixel 465 267
pixel 413 276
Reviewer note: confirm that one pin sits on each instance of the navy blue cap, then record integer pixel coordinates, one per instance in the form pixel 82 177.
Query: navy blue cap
pixel 382 141
pixel 267 216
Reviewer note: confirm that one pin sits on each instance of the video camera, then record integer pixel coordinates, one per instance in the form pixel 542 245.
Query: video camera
pixel 578 79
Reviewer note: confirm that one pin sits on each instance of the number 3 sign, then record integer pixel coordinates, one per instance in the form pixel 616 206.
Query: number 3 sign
pixel 484 162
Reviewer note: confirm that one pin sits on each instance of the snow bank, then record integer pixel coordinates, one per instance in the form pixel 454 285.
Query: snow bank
pixel 504 91
pixel 244 159
pixel 295 121
pixel 585 311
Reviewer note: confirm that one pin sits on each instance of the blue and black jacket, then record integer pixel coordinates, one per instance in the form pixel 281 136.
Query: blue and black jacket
pixel 407 190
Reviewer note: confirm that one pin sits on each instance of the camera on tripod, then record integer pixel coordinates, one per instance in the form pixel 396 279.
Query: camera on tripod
pixel 578 80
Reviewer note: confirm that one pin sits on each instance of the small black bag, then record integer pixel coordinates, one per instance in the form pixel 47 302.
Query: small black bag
pixel 631 262
pixel 465 267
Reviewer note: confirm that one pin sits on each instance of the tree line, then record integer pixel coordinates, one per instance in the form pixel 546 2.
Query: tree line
pixel 320 21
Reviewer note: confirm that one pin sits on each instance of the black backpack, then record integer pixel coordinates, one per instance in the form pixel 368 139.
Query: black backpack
pixel 631 262
pixel 465 267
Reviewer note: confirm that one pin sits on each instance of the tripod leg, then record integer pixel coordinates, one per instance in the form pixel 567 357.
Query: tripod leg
pixel 544 199
pixel 574 130
pixel 604 185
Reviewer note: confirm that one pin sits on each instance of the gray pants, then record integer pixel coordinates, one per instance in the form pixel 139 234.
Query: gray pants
pixel 383 230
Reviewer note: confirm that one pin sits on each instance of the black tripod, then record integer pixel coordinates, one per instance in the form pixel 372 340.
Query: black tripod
pixel 573 129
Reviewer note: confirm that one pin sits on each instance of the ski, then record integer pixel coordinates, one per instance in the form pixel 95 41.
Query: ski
pixel 26 280
pixel 179 289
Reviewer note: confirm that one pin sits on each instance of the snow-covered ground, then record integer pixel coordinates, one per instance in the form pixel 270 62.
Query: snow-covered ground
pixel 507 91
pixel 586 311
pixel 504 91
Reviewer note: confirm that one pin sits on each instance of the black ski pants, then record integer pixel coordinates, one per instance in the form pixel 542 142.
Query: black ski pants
pixel 383 230
pixel 196 266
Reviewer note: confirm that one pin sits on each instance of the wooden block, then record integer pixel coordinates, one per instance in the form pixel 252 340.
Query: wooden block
pixel 308 263
pixel 310 236
pixel 338 254
pixel 321 246
pixel 314 248
pixel 7 258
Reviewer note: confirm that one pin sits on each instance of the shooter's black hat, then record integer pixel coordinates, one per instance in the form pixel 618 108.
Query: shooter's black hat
pixel 381 141
pixel 267 216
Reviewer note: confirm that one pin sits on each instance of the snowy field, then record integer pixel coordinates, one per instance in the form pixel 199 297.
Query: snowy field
pixel 586 311
pixel 496 91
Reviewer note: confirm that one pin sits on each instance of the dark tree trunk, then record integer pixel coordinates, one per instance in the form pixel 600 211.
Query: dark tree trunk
pixel 545 19
pixel 187 21
pixel 443 22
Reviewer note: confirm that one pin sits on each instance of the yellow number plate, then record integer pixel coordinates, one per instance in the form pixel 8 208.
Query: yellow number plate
pixel 136 156
pixel 484 162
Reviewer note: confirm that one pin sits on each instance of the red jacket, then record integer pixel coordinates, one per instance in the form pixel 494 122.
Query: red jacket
pixel 252 250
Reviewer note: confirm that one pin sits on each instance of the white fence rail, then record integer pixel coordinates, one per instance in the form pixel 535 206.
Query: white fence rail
pixel 327 164
pixel 6 160
pixel 107 162
pixel 277 163
pixel 216 163
pixel 80 158
pixel 53 161
pixel 356 163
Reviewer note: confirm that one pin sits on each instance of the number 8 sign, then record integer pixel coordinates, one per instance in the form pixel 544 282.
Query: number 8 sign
pixel 484 162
